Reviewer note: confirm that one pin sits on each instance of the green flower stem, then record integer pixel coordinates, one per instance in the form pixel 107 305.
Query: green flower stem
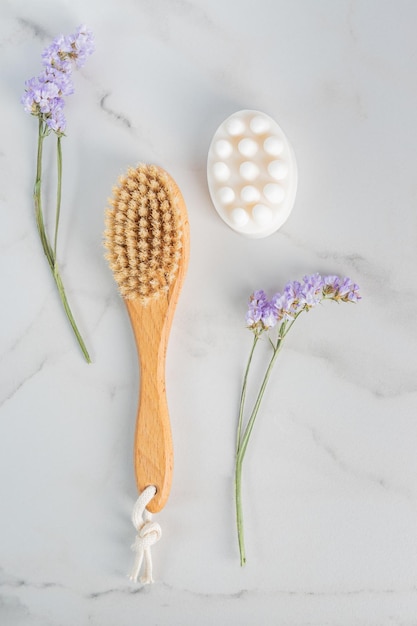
pixel 58 189
pixel 38 198
pixel 242 446
pixel 50 252
pixel 238 474
pixel 251 422
pixel 243 440
pixel 239 511
pixel 243 395
pixel 68 311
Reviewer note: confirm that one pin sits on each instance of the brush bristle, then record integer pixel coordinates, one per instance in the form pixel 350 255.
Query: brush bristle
pixel 143 233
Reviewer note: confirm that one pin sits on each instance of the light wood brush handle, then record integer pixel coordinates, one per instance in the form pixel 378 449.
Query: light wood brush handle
pixel 147 239
pixel 153 450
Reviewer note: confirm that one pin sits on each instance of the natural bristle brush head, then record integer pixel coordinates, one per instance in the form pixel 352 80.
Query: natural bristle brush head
pixel 147 241
pixel 143 233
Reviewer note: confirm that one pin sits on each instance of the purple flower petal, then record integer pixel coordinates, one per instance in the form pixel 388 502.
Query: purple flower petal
pixel 313 289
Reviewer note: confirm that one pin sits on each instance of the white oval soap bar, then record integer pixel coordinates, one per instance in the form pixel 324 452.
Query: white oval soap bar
pixel 251 152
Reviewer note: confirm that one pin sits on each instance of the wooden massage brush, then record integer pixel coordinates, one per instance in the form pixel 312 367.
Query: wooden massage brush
pixel 147 241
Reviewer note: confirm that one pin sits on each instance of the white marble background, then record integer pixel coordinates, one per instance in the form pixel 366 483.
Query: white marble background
pixel 330 484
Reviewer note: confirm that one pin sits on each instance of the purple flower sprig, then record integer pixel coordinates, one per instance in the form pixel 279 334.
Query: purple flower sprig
pixel 44 98
pixel 278 314
pixel 264 314
pixel 44 94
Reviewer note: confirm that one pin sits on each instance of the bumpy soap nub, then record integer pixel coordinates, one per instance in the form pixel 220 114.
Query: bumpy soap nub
pixel 252 173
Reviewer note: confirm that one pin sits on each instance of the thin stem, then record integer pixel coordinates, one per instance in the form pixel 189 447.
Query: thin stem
pixel 70 316
pixel 50 252
pixel 251 422
pixel 243 394
pixel 243 444
pixel 238 470
pixel 239 511
pixel 58 190
pixel 242 441
pixel 37 196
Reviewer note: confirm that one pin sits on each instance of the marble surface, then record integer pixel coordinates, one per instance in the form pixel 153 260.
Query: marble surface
pixel 330 482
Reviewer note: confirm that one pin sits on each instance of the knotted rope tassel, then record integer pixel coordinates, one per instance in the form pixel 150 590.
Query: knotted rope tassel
pixel 148 533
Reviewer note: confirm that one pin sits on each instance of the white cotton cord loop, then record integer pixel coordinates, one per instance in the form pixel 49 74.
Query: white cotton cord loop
pixel 148 533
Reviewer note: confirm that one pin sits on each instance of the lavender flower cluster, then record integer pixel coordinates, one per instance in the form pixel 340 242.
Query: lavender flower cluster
pixel 44 95
pixel 296 297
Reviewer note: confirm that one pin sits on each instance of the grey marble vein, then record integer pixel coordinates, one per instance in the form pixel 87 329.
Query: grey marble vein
pixel 118 116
